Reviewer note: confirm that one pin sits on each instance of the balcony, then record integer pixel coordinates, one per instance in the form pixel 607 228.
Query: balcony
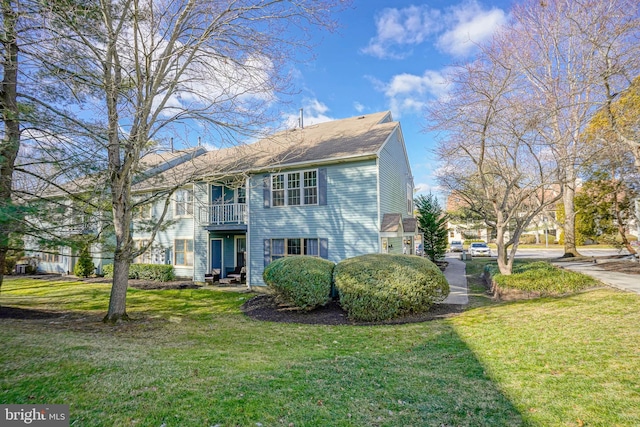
pixel 231 216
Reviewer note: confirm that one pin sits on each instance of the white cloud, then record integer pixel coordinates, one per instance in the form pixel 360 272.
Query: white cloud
pixel 358 107
pixel 422 188
pixel 454 30
pixel 471 25
pixel 409 93
pixel 314 112
pixel 398 27
pixel 425 189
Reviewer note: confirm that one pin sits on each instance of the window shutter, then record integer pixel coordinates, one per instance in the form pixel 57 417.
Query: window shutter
pixel 324 248
pixel 266 190
pixel 322 186
pixel 267 252
pixel 168 256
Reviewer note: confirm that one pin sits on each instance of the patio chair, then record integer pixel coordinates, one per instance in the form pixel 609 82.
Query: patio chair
pixel 238 275
pixel 212 277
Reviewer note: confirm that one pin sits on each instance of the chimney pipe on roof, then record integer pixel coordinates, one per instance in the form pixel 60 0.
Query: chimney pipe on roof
pixel 172 145
pixel 199 142
pixel 301 119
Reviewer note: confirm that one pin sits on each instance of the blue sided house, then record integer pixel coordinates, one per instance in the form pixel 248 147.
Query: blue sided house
pixel 333 190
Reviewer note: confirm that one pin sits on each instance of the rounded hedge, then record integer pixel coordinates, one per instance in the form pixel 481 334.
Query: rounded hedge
pixel 302 281
pixel 381 286
pixel 157 272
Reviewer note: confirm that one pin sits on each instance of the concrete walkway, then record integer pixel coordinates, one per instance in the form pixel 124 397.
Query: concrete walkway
pixel 455 274
pixel 626 282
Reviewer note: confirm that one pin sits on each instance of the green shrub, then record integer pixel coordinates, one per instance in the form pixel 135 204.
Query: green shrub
pixel 10 265
pixel 84 267
pixel 303 281
pixel 527 239
pixel 157 272
pixel 381 286
pixel 540 276
pixel 107 270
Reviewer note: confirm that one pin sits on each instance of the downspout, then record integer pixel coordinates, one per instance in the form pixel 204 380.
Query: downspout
pixel 379 219
pixel 193 237
pixel 247 260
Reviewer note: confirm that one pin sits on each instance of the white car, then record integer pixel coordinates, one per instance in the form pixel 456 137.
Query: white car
pixel 479 249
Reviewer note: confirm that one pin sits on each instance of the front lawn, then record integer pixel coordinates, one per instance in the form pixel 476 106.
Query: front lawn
pixel 192 359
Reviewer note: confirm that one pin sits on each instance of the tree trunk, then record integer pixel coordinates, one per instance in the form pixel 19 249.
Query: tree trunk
pixel 118 300
pixel 3 262
pixel 621 222
pixel 122 254
pixel 11 140
pixel 505 263
pixel 121 257
pixel 569 226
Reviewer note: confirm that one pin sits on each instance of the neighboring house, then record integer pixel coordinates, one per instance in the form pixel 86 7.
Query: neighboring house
pixel 333 190
pixel 464 230
pixel 69 221
pixel 542 228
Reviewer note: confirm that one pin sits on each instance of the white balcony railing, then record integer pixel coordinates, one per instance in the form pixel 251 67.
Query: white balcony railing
pixel 217 214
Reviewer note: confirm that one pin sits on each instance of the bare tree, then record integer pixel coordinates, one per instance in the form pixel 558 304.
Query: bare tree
pixel 570 51
pixel 494 157
pixel 156 69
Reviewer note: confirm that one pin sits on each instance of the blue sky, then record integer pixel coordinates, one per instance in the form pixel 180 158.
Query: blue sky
pixel 391 55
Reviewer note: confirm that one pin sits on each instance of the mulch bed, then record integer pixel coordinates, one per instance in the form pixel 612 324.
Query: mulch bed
pixel 265 308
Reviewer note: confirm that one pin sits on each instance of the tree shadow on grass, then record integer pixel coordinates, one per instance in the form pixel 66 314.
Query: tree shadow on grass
pixel 29 314
pixel 435 381
pixel 393 375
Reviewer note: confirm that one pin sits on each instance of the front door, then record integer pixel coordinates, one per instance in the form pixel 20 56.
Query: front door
pixel 216 254
pixel 241 251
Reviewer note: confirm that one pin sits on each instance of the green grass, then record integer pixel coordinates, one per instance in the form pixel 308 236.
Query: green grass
pixel 192 359
pixel 540 276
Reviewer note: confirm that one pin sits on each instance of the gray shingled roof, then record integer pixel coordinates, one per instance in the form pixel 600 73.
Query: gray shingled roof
pixel 351 138
pixel 390 223
pixel 410 225
pixel 150 163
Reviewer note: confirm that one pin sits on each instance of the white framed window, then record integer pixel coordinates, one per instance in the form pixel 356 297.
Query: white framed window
pixel 311 187
pixel 409 199
pixel 241 195
pixel 183 252
pixel 277 190
pixel 183 203
pixel 294 188
pixel 281 248
pixel 51 257
pixel 144 258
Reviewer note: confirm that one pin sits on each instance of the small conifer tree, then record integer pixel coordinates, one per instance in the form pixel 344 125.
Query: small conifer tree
pixel 433 222
pixel 84 267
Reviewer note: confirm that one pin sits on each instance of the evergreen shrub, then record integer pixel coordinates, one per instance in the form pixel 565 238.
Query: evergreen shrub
pixel 157 272
pixel 84 267
pixel 381 286
pixel 541 277
pixel 302 281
